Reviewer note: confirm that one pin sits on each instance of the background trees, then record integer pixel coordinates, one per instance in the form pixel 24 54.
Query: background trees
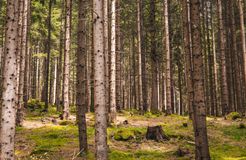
pixel 143 55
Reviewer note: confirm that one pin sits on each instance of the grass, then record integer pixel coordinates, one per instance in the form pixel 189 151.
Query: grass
pixel 227 142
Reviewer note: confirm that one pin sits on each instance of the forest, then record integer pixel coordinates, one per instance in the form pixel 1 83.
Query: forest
pixel 122 80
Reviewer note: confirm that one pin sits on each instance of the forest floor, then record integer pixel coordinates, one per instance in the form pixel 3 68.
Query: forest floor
pixel 45 137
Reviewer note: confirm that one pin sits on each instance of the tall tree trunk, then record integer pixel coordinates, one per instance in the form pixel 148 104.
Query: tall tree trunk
pixel 67 48
pixel 199 115
pixel 140 52
pixel 8 102
pixel 106 51
pixel 188 53
pixel 169 85
pixel 154 58
pixel 59 61
pixel 81 77
pixel 224 87
pixel 48 57
pixel 118 57
pixel 242 25
pixel 112 81
pixel 99 83
pixel 23 52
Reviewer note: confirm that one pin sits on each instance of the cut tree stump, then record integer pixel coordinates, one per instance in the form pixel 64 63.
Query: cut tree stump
pixel 156 133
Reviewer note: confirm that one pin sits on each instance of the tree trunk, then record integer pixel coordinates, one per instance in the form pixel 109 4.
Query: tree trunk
pixel 48 58
pixel 224 87
pixel 112 81
pixel 199 108
pixel 59 62
pixel 169 85
pixel 242 25
pixel 81 77
pixel 99 83
pixel 67 48
pixel 154 58
pixel 118 57
pixel 140 52
pixel 188 53
pixel 8 102
pixel 23 73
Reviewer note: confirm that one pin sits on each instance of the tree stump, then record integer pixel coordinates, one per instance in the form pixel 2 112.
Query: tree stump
pixel 156 133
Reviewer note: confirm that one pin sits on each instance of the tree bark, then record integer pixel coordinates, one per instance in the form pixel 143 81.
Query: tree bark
pixel 112 81
pixel 23 73
pixel 81 77
pixel 199 108
pixel 59 62
pixel 224 87
pixel 154 58
pixel 67 48
pixel 99 83
pixel 243 43
pixel 169 85
pixel 8 102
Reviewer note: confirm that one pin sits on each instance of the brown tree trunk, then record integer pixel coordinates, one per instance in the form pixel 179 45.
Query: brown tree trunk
pixel 59 62
pixel 169 85
pixel 81 77
pixel 154 58
pixel 188 53
pixel 23 73
pixel 242 25
pixel 224 87
pixel 199 108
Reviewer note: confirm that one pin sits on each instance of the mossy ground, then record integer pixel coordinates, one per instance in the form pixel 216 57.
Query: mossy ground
pixel 49 141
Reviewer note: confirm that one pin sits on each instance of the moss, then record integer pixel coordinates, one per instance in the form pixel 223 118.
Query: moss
pixel 226 151
pixel 129 133
pixel 140 155
pixel 235 133
pixel 233 116
pixel 66 123
pixel 125 135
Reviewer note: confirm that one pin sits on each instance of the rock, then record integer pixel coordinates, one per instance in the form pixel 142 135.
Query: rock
pixel 156 133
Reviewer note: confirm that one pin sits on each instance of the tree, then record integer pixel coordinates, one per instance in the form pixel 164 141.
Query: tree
pixel 187 50
pixel 99 83
pixel 81 77
pixel 8 102
pixel 112 81
pixel 169 81
pixel 199 108
pixel 140 37
pixel 59 63
pixel 224 87
pixel 154 58
pixel 243 43
pixel 67 48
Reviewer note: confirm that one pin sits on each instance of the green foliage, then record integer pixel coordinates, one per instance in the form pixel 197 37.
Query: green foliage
pixel 233 116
